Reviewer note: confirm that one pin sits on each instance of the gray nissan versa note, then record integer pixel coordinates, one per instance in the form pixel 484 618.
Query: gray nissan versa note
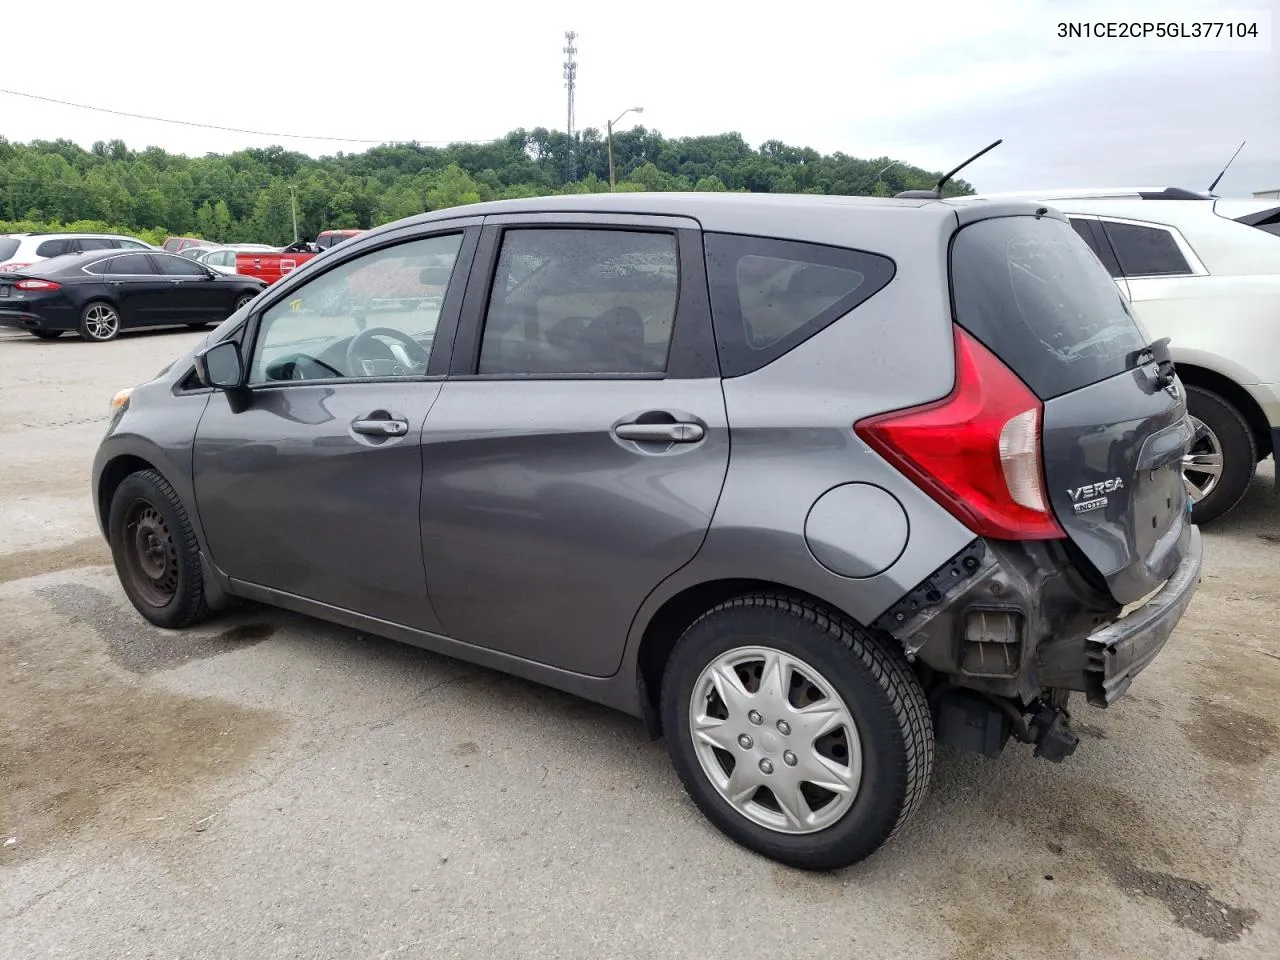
pixel 807 483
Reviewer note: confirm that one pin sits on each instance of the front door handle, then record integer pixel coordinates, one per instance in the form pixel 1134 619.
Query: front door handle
pixel 660 432
pixel 381 428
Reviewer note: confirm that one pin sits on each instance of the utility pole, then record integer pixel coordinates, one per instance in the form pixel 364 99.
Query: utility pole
pixel 612 183
pixel 293 206
pixel 570 82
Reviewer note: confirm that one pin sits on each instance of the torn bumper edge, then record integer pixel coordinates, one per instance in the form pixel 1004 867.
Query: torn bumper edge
pixel 1120 651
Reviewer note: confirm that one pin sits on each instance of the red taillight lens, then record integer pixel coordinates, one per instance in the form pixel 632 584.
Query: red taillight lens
pixel 37 285
pixel 976 451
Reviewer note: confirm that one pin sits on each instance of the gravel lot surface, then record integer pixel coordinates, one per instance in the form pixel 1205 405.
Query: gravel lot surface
pixel 269 786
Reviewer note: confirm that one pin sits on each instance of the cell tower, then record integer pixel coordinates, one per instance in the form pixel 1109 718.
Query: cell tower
pixel 570 81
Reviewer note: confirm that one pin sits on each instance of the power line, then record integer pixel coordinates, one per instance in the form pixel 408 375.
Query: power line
pixel 214 126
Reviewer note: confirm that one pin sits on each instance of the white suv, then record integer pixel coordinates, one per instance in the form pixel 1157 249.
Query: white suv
pixel 18 250
pixel 1205 272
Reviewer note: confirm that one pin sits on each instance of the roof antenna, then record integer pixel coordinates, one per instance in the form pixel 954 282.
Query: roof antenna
pixel 1224 169
pixel 936 192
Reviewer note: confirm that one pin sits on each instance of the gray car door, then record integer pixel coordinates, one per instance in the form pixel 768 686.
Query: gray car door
pixel 308 486
pixel 576 453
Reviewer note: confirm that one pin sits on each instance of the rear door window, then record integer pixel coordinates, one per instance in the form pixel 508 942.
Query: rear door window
pixel 769 296
pixel 94 243
pixel 1146 251
pixel 131 265
pixel 1091 233
pixel 1033 293
pixel 570 301
pixel 53 248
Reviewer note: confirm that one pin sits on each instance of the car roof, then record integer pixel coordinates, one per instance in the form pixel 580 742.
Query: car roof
pixel 1096 193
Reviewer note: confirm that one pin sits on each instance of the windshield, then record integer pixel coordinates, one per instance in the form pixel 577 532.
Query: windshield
pixel 1034 293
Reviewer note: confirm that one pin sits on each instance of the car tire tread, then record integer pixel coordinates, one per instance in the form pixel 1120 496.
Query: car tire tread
pixel 902 774
pixel 188 606
pixel 1239 452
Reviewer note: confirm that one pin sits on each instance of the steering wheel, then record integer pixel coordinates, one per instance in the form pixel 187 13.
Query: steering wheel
pixel 417 356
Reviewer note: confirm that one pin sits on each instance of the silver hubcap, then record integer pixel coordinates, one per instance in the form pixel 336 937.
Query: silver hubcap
pixel 101 321
pixel 240 304
pixel 775 739
pixel 1202 465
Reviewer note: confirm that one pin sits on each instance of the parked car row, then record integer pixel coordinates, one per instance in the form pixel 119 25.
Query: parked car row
pixel 98 293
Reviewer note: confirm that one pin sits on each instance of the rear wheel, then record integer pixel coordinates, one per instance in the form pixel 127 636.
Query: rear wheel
pixel 47 334
pixel 797 734
pixel 156 554
pixel 99 322
pixel 1222 459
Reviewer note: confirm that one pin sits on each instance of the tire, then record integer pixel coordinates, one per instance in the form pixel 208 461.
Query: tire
pixel 99 322
pixel 46 334
pixel 199 326
pixel 157 557
pixel 1231 442
pixel 243 302
pixel 890 732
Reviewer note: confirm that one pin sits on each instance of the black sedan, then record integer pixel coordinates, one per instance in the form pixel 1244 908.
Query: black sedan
pixel 102 292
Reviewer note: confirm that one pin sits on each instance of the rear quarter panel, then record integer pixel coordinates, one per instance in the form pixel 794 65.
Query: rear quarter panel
pixel 791 429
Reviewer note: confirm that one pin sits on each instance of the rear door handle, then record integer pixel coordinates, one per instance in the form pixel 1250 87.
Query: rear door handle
pixel 660 432
pixel 381 428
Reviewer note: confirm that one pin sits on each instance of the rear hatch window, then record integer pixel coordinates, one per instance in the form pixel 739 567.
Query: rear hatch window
pixel 8 247
pixel 1031 290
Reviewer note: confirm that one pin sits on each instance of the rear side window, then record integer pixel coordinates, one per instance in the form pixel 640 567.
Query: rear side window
pixel 1097 242
pixel 1145 251
pixel 1033 293
pixel 95 243
pixel 8 247
pixel 53 248
pixel 769 296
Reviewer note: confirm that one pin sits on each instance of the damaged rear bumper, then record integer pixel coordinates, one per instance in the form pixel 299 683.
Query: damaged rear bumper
pixel 1017 621
pixel 1111 657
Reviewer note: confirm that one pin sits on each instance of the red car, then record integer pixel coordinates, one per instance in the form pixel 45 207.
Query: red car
pixel 272 266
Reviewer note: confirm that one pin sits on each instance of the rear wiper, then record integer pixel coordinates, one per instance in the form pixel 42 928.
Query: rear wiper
pixel 1156 352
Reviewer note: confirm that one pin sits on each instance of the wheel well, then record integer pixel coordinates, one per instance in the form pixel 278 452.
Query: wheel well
pixel 112 476
pixel 1234 394
pixel 677 615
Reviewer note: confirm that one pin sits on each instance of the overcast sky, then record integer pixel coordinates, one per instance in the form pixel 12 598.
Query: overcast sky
pixel 925 85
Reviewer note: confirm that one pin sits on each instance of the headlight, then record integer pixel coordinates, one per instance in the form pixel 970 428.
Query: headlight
pixel 121 400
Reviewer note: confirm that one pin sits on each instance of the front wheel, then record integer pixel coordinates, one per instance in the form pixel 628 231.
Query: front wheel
pixel 797 734
pixel 157 557
pixel 243 302
pixel 1222 459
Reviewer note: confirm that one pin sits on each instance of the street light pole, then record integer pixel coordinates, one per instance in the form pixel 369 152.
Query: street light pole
pixel 609 137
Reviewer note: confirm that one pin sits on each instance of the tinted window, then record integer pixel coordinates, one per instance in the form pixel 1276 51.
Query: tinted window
pixel 53 248
pixel 769 296
pixel 1092 235
pixel 178 266
pixel 132 244
pixel 94 243
pixel 400 288
pixel 8 247
pixel 130 264
pixel 579 301
pixel 1035 295
pixel 1145 251
pixel 99 268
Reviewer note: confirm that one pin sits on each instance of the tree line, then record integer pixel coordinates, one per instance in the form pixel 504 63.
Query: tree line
pixel 251 195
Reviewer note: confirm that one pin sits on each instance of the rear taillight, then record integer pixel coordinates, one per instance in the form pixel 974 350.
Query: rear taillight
pixel 12 267
pixel 977 450
pixel 37 285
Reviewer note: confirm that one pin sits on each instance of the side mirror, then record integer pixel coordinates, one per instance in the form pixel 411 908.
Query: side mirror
pixel 221 366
